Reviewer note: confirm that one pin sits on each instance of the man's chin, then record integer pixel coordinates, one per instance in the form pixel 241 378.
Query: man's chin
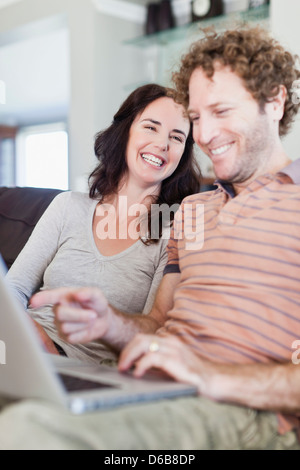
pixel 238 182
pixel 226 179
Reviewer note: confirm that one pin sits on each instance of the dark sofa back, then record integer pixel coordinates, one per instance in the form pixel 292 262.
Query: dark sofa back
pixel 20 210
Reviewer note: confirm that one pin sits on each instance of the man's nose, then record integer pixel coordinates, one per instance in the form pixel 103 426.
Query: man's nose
pixel 204 131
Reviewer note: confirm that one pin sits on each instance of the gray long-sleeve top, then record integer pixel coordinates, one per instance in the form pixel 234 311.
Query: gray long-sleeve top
pixel 62 252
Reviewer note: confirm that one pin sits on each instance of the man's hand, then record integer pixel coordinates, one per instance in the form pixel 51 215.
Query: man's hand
pixel 81 315
pixel 273 386
pixel 166 353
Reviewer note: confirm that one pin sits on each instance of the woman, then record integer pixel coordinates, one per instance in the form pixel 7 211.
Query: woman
pixel 100 239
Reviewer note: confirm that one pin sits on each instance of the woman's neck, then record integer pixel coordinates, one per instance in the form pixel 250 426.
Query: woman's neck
pixel 132 195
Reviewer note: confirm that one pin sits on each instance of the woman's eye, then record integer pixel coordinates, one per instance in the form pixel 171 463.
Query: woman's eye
pixel 178 138
pixel 151 128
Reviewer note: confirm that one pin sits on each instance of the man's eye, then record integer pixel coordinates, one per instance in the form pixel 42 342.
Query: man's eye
pixel 220 112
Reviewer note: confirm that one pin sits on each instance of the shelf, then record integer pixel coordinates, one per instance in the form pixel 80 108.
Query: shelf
pixel 255 15
pixel 158 53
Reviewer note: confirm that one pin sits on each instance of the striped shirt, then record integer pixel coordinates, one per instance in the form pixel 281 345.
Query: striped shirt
pixel 238 300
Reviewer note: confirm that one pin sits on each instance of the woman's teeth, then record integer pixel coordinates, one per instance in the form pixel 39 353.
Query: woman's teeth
pixel 152 160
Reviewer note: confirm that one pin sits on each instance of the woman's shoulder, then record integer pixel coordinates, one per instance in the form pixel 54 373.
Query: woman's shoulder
pixel 74 197
pixel 153 251
pixel 69 204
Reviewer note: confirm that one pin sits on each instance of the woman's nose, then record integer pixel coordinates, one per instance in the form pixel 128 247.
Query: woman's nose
pixel 163 143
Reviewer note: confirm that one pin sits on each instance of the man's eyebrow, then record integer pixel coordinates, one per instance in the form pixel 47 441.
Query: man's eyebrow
pixel 178 131
pixel 212 106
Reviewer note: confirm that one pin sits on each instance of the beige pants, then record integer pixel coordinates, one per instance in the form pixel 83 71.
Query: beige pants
pixel 181 424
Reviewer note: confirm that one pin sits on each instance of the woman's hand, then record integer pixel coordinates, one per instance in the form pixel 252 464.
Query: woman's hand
pixel 45 339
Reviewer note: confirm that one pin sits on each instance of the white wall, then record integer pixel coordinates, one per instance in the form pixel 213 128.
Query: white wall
pixel 36 71
pixel 285 19
pixel 96 66
pixel 117 66
pixel 100 67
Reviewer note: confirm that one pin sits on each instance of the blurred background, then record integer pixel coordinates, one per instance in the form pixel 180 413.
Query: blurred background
pixel 66 66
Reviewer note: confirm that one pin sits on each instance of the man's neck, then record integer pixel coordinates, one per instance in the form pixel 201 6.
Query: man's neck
pixel 272 167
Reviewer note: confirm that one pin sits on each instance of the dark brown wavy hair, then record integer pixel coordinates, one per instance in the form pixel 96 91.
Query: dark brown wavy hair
pixel 257 58
pixel 111 146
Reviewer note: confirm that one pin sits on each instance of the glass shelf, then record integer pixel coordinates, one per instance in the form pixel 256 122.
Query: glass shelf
pixel 255 15
pixel 158 54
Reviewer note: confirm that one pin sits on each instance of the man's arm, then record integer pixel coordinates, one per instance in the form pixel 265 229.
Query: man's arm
pixel 83 315
pixel 273 387
pixel 124 327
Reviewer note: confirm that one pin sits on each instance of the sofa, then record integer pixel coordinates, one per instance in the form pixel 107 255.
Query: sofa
pixel 20 210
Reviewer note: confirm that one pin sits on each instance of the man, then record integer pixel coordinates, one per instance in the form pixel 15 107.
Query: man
pixel 227 311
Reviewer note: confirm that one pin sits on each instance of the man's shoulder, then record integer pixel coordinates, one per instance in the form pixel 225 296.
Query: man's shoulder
pixel 293 171
pixel 202 198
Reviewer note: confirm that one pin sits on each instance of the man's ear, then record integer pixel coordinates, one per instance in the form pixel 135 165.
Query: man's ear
pixel 277 103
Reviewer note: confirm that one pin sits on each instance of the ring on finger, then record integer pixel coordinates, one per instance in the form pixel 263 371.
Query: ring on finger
pixel 154 346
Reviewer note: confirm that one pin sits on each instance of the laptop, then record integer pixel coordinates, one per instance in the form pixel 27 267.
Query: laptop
pixel 26 371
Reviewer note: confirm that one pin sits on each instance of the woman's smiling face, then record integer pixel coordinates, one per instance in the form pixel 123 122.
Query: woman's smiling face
pixel 156 142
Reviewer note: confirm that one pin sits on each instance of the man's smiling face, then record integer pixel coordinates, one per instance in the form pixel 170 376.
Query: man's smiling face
pixel 229 126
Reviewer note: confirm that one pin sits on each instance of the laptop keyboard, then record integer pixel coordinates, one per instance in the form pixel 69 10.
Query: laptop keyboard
pixel 76 384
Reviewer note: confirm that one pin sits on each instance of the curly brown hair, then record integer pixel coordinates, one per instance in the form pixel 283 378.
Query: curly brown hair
pixel 257 58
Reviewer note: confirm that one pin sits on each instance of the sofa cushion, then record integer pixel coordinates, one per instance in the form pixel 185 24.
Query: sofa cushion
pixel 20 210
